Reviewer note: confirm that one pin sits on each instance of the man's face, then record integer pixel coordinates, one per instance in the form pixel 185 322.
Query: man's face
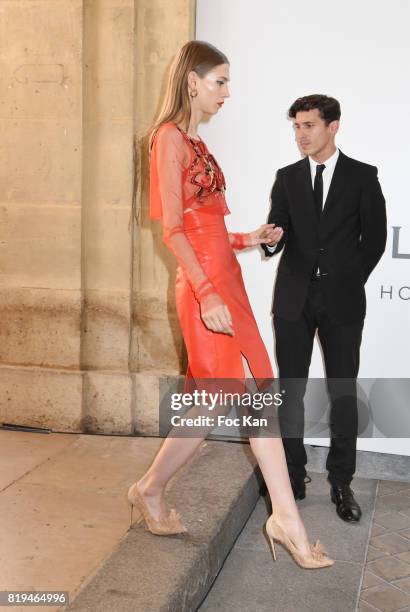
pixel 312 133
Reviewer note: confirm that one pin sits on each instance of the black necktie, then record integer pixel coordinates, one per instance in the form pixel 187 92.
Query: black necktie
pixel 318 189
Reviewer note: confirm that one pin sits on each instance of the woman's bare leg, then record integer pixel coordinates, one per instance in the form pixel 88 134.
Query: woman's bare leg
pixel 172 455
pixel 175 451
pixel 271 458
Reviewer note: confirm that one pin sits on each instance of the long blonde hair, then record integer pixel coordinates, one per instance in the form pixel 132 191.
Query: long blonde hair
pixel 195 55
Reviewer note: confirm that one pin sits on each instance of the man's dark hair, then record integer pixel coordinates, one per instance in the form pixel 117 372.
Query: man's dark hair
pixel 329 108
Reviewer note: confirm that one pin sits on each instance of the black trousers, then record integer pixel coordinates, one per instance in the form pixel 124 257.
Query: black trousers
pixel 341 351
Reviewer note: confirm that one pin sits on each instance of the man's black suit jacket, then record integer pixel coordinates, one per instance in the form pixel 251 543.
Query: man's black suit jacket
pixel 347 243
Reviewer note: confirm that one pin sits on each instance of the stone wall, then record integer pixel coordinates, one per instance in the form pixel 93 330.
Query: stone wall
pixel 87 318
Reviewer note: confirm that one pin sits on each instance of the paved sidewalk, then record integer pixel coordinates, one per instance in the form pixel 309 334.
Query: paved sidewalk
pixel 252 581
pixel 62 505
pixel 64 526
pixel 386 584
pixel 366 577
pixel 64 520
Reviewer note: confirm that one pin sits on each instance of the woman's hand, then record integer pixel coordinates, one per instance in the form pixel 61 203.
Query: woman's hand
pixel 267 233
pixel 215 314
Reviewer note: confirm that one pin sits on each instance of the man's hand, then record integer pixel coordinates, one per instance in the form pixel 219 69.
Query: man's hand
pixel 267 233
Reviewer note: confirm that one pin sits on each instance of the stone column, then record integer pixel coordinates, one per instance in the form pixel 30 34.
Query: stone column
pixel 41 124
pixel 108 127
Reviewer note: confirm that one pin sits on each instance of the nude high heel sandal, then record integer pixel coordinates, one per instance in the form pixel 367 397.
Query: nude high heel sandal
pixel 170 525
pixel 316 560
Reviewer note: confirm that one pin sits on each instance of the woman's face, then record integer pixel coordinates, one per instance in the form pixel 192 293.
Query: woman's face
pixel 212 89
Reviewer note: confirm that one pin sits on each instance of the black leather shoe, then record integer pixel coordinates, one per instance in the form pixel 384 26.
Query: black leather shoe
pixel 299 486
pixel 346 506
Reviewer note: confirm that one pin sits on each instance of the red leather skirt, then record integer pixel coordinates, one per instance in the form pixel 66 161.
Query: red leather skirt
pixel 213 354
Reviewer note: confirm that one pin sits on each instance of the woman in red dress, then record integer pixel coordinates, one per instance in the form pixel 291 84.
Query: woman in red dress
pixel 187 194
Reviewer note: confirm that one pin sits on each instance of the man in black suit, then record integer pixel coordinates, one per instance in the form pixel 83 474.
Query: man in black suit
pixel 330 217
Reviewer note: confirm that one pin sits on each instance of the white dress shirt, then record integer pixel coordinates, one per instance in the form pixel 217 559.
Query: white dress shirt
pixel 327 175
